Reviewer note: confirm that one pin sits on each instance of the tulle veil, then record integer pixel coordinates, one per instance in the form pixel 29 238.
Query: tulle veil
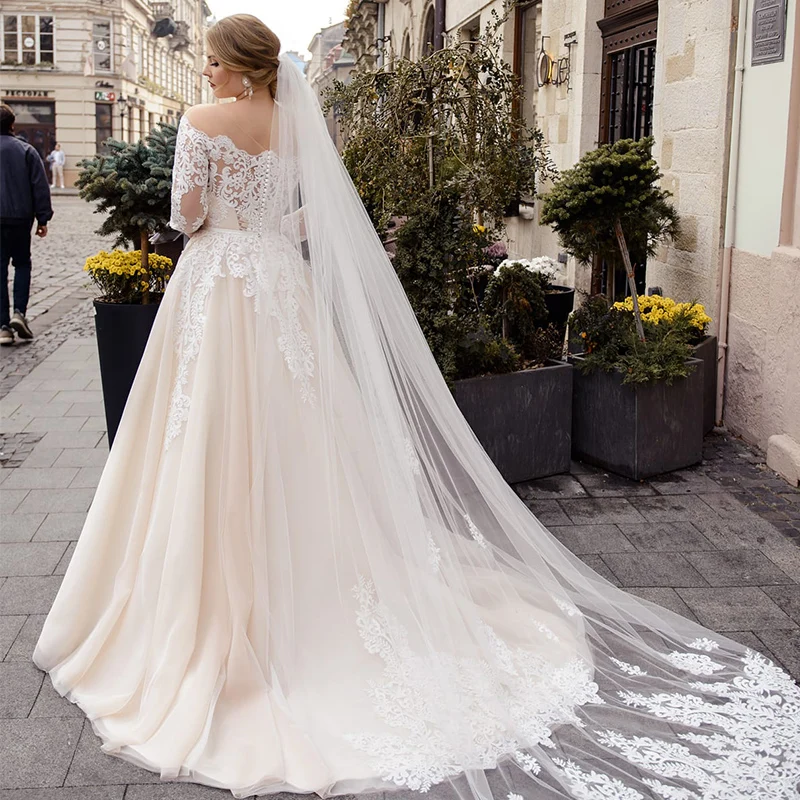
pixel 505 667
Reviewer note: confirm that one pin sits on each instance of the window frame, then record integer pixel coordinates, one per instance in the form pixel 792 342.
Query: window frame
pixel 19 34
pixel 99 54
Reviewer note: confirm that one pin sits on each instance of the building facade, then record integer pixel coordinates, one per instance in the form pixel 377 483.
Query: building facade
pixel 717 84
pixel 79 72
pixel 329 62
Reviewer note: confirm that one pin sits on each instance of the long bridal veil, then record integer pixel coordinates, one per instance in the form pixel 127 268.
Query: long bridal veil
pixel 501 666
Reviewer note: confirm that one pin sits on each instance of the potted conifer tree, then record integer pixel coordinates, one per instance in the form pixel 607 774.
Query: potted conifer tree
pixel 638 391
pixel 131 185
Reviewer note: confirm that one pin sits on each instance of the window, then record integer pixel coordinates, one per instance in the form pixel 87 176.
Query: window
pixel 471 31
pixel 405 52
pixel 27 39
pixel 428 32
pixel 137 50
pixel 529 29
pixel 102 123
pixel 631 92
pixel 101 39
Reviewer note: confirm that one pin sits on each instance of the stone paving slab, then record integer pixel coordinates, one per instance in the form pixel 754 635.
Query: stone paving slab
pixel 37 752
pixel 664 537
pixel 9 628
pixel 60 526
pixel 30 558
pixel 31 595
pixel 735 609
pixel 20 682
pixel 584 539
pixel 653 569
pixel 737 568
pixel 24 644
pixel 595 511
pixel 20 527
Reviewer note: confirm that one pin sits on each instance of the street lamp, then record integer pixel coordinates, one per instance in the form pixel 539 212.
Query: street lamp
pixel 123 105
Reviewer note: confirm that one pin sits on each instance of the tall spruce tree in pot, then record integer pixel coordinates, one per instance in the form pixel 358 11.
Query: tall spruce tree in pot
pixel 132 185
pixel 610 204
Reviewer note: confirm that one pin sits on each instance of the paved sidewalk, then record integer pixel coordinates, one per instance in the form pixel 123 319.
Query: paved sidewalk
pixel 703 541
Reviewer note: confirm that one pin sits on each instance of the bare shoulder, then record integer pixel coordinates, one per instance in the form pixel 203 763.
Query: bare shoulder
pixel 202 115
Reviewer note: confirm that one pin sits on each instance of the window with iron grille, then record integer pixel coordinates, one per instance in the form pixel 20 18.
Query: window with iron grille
pixel 632 76
pixel 27 39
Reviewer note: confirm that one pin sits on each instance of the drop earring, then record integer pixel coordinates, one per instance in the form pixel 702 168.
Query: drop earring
pixel 248 86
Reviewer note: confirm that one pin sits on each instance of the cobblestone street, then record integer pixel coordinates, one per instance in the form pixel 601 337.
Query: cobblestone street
pixel 717 543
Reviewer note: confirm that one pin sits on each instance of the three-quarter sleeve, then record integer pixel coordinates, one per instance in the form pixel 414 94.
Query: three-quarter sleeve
pixel 189 179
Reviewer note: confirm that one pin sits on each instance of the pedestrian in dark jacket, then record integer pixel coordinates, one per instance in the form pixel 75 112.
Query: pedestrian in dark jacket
pixel 24 197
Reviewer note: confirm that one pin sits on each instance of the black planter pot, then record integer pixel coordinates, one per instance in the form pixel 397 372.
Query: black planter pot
pixel 522 419
pixel 559 301
pixel 637 430
pixel 122 333
pixel 706 351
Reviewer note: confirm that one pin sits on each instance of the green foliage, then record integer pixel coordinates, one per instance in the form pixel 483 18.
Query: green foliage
pixel 611 343
pixel 438 143
pixel 514 300
pixel 615 182
pixel 131 185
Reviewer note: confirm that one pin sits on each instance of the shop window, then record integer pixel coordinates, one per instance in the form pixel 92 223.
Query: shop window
pixel 102 124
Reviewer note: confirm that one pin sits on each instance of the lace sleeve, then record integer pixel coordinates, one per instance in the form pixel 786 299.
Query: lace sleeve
pixel 189 179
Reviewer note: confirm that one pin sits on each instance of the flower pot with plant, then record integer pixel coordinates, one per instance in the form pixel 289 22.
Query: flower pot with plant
pixel 638 403
pixel 132 186
pixel 122 321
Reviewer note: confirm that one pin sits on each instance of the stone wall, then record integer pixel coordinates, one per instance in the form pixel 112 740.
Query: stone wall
pixel 763 384
pixel 692 106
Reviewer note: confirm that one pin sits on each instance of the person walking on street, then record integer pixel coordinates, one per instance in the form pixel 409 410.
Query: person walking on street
pixel 57 159
pixel 24 197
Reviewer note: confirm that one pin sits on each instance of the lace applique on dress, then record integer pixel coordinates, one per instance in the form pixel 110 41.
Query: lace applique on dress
pixel 753 724
pixel 226 186
pixel 442 734
pixel 293 342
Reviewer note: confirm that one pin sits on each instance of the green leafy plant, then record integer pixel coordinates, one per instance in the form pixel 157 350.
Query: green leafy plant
pixel 609 205
pixel 132 187
pixel 438 144
pixel 611 341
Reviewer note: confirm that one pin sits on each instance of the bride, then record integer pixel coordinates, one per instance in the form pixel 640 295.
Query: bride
pixel 301 572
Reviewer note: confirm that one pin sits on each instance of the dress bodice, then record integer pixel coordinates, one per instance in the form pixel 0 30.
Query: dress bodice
pixel 218 185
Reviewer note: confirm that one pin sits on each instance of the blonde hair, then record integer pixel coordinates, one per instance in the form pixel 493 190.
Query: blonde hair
pixel 243 43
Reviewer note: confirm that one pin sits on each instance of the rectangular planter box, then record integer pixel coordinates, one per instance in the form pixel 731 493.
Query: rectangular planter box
pixel 522 419
pixel 706 351
pixel 637 431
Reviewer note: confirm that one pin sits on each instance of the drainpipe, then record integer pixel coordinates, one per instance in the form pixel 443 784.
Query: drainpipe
pixel 730 208
pixel 438 24
pixel 381 34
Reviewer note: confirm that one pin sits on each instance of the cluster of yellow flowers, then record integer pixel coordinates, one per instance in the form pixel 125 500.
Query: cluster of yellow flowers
pixel 126 262
pixel 655 309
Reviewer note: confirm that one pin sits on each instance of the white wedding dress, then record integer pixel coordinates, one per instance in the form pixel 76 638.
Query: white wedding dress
pixel 301 573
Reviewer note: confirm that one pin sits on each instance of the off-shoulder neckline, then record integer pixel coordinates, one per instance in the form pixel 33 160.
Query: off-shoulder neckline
pixel 222 137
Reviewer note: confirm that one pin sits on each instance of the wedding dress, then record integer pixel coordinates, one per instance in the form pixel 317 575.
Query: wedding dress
pixel 300 571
